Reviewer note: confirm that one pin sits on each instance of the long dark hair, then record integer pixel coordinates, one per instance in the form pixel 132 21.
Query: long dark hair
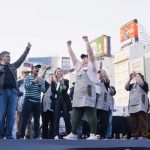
pixel 146 87
pixel 141 76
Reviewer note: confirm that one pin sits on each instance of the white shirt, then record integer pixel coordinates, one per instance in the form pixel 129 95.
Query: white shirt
pixel 91 70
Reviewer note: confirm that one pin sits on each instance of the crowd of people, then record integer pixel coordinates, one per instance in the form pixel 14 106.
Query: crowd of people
pixel 90 101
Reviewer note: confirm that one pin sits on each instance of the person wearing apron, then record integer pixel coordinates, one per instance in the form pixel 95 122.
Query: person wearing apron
pixel 47 112
pixel 84 98
pixel 103 104
pixel 138 105
pixel 112 92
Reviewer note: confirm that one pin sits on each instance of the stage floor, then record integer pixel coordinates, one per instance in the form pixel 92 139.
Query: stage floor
pixel 74 144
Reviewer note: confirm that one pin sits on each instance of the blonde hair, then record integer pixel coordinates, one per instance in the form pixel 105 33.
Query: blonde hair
pixel 54 76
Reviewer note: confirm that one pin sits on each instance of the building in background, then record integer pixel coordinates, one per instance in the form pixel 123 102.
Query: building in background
pixel 54 61
pixel 101 46
pixel 65 64
pixel 129 33
pixel 134 55
pixel 102 50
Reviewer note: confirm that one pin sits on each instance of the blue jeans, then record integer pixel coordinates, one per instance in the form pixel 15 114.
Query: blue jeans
pixel 109 128
pixel 8 100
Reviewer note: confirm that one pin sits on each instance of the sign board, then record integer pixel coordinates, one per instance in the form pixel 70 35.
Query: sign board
pixel 129 33
pixel 65 63
pixel 101 46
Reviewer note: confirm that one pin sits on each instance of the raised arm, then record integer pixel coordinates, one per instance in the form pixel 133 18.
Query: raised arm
pixel 89 49
pixel 128 82
pixel 44 72
pixel 22 58
pixel 103 73
pixel 71 53
pixel 100 65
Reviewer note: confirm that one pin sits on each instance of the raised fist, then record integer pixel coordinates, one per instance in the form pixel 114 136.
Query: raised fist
pixel 69 43
pixel 29 45
pixel 85 38
pixel 131 76
pixel 48 68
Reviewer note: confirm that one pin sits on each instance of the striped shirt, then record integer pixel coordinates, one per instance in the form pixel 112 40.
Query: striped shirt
pixel 34 90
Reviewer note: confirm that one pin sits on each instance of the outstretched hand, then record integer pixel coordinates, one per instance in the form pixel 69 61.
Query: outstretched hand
pixel 48 68
pixel 132 75
pixel 69 43
pixel 29 45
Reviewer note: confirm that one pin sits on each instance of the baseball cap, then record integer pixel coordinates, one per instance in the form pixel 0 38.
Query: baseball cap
pixel 36 65
pixel 4 53
pixel 83 56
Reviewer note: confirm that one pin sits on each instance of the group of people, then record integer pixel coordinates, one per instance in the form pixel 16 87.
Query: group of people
pixel 91 99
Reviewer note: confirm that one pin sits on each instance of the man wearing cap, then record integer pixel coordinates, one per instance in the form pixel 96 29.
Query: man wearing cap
pixel 8 90
pixel 34 85
pixel 84 99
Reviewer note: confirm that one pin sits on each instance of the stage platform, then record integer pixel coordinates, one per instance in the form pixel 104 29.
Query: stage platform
pixel 74 144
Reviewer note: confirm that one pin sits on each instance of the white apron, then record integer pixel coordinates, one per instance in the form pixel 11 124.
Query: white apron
pixel 84 92
pixel 138 99
pixel 104 100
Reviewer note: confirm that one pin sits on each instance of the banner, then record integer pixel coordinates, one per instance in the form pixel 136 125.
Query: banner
pixel 65 63
pixel 101 46
pixel 129 31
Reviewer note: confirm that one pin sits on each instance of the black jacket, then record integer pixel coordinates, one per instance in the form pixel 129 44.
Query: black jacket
pixel 65 95
pixel 13 68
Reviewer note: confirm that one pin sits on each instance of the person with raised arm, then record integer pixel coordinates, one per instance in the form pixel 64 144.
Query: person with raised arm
pixel 103 102
pixel 34 85
pixel 84 98
pixel 8 90
pixel 138 105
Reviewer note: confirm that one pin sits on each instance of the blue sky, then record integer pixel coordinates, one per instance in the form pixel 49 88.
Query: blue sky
pixel 48 24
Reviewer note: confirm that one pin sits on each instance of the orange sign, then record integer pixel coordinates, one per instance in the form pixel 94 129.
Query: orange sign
pixel 129 31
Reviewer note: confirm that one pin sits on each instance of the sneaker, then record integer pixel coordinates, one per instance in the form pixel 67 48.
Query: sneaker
pixel 98 136
pixel 70 136
pixel 56 137
pixel 27 136
pixel 92 137
pixel 133 138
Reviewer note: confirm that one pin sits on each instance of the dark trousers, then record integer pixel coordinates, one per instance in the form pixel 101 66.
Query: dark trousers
pixel 29 108
pixel 102 122
pixel 78 113
pixel 60 105
pixel 139 124
pixel 47 124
